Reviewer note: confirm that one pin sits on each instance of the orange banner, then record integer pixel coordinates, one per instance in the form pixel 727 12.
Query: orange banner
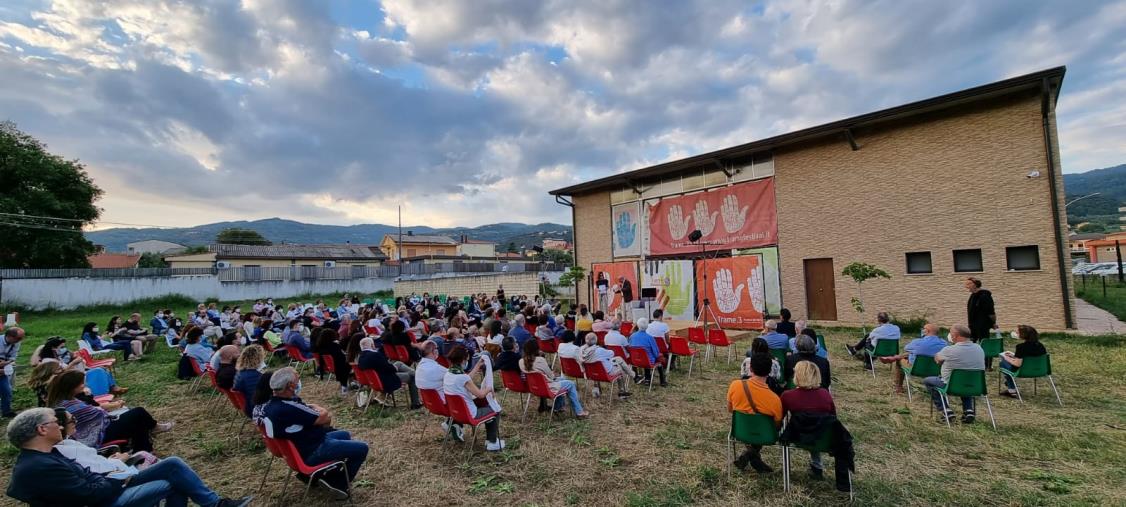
pixel 734 286
pixel 738 216
pixel 614 283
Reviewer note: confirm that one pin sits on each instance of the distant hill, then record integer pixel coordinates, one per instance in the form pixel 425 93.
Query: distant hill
pixel 1110 183
pixel 279 230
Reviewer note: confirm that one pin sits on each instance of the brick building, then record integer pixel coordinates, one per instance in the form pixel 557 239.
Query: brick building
pixel 964 184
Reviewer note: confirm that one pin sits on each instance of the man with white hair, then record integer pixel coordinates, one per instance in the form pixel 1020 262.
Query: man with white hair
pixel 643 340
pixel 43 476
pixel 614 336
pixel 518 332
pixel 964 354
pixel 309 427
pixel 614 365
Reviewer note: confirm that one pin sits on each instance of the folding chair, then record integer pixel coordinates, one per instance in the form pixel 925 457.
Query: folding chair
pixel 883 348
pixel 514 381
pixel 537 384
pixel 459 412
pixel 718 338
pixel 1034 368
pixel 965 383
pixel 751 429
pixel 678 346
pixel 923 367
pixel 638 358
pixel 596 372
pixel 296 463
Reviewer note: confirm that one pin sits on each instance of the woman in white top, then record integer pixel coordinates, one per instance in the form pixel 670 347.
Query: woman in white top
pixel 533 362
pixel 458 382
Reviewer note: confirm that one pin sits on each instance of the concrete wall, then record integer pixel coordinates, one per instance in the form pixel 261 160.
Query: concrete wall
pixel 63 293
pixel 592 235
pixel 464 284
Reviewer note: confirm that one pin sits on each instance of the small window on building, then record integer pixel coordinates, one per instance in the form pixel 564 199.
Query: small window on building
pixel 441 251
pixel 411 252
pixel 1022 258
pixel 968 261
pixel 918 263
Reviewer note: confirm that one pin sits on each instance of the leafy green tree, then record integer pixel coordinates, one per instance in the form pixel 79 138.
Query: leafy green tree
pixel 198 249
pixel 151 260
pixel 46 202
pixel 237 236
pixel 860 273
pixel 511 247
pixel 557 256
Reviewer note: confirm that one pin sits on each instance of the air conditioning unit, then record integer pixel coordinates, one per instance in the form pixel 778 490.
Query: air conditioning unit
pixel 330 264
pixel 222 264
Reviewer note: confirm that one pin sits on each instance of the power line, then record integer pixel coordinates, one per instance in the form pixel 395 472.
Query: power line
pixel 21 215
pixel 30 226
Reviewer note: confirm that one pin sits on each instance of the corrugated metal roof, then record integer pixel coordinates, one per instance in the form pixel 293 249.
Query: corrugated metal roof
pixel 330 252
pixel 422 239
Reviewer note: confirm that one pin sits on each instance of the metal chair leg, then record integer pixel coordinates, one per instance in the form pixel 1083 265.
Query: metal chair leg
pixel 269 465
pixel 691 360
pixel 1057 391
pixel 907 380
pixel 945 410
pixel 786 468
pixel 989 406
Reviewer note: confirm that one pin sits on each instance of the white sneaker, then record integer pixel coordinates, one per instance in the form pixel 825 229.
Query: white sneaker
pixel 459 433
pixel 597 392
pixel 494 446
pixel 446 427
pixel 361 398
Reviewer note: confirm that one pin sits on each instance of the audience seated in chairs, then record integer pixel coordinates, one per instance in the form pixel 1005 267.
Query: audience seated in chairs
pixel 1029 346
pixel 328 345
pixel 130 348
pixel 759 347
pixel 197 350
pixel 248 372
pixel 884 331
pixel 614 336
pixel 309 427
pixel 614 365
pixel 807 351
pixel 392 375
pixel 807 406
pixel 774 339
pixel 929 345
pixel 964 354
pixel 459 382
pixel 533 362
pixel 44 476
pixel 94 424
pixel 223 362
pixel 297 341
pixel 753 396
pixel 431 375
pixel 643 340
pixel 119 334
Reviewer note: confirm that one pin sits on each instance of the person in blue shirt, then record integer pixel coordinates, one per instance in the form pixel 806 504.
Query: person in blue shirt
pixel 518 332
pixel 196 350
pixel 310 429
pixel 802 330
pixel 928 345
pixel 157 324
pixel 293 338
pixel 884 331
pixel 773 338
pixel 645 341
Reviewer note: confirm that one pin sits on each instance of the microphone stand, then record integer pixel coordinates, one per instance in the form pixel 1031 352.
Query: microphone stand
pixel 706 313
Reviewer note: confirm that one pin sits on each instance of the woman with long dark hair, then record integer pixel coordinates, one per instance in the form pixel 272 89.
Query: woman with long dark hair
pixel 94 424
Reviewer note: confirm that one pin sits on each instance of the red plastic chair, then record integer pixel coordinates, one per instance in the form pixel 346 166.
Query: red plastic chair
pixel 550 347
pixel 459 412
pixel 619 351
pixel 288 452
pixel 596 372
pixel 531 328
pixel 435 404
pixel 96 363
pixel 678 346
pixel 572 368
pixel 696 335
pixel 297 360
pixel 718 338
pixel 601 338
pixel 537 384
pixel 375 384
pixel 569 324
pixel 638 358
pixel 199 374
pixel 514 381
pixel 443 361
pixel 328 364
pixel 627 328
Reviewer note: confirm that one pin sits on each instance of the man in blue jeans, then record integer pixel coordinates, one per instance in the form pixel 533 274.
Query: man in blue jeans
pixel 309 427
pixel 9 351
pixel 43 476
pixel 964 354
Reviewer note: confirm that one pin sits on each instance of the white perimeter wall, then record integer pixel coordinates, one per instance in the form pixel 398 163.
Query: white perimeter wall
pixel 65 293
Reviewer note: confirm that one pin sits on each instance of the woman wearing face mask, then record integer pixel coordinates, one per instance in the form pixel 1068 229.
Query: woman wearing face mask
pixel 1029 346
pixel 127 347
pixel 94 424
pixel 458 382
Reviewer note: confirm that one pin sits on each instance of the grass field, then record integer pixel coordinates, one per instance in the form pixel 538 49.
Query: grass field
pixel 1091 291
pixel 667 448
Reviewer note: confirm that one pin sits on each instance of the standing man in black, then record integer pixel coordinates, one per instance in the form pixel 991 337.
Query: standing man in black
pixel 980 313
pixel 627 290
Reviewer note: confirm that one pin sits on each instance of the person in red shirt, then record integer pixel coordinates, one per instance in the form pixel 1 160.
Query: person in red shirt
pixel 811 398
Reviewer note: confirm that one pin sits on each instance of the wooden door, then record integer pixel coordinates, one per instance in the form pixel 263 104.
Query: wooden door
pixel 820 289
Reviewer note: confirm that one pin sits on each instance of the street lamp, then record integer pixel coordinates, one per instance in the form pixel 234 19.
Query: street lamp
pixel 1077 199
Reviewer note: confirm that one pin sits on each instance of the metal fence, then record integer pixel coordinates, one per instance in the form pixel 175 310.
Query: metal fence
pixel 103 273
pixel 418 268
pixel 254 274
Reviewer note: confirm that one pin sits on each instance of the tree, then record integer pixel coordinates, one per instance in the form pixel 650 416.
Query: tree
pixel 557 256
pixel 511 247
pixel 236 236
pixel 199 249
pixel 860 273
pixel 151 260
pixel 46 202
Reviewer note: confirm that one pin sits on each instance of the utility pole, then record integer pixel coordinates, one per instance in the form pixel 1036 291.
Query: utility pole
pixel 399 254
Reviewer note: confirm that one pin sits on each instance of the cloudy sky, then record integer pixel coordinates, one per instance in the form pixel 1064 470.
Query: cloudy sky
pixel 468 112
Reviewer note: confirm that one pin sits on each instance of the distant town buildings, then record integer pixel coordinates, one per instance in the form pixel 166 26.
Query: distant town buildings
pixel 154 246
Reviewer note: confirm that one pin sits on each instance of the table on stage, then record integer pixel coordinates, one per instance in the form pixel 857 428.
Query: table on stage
pixel 680 328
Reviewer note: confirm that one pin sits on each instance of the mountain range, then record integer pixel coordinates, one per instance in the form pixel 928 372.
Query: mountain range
pixel 1108 183
pixel 280 230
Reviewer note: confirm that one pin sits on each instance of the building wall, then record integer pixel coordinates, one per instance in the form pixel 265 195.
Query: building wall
pixel 939 183
pixel 201 262
pixel 477 249
pixel 152 246
pixel 65 293
pixel 515 284
pixel 592 235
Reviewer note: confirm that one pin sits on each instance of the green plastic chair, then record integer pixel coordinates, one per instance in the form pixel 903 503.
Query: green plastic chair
pixel 966 383
pixel 751 429
pixel 992 346
pixel 884 348
pixel 923 367
pixel 780 355
pixel 368 301
pixel 1034 368
pixel 823 445
pixel 465 300
pixel 821 343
